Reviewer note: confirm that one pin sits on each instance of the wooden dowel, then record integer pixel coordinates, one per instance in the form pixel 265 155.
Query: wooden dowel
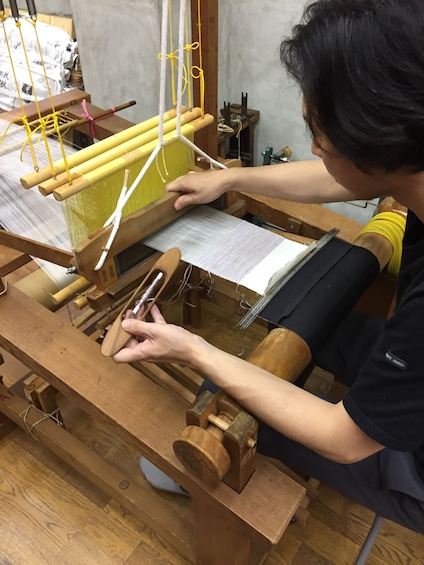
pixel 60 166
pixel 92 177
pixel 69 291
pixel 223 426
pixel 80 302
pixel 81 121
pixel 136 142
pixel 84 318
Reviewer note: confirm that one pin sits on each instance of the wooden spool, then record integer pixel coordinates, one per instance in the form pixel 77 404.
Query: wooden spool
pixel 203 450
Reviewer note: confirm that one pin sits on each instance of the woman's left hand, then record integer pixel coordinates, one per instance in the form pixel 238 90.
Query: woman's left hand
pixel 158 341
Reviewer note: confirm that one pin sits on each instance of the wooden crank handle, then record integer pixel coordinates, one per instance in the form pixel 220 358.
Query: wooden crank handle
pixel 165 266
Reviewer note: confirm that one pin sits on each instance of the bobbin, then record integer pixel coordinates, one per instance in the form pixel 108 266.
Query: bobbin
pixel 144 296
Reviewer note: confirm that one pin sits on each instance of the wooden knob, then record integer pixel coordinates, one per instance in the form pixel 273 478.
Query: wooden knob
pixel 202 453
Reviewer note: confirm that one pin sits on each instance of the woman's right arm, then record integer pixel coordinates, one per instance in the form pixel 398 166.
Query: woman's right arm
pixel 300 181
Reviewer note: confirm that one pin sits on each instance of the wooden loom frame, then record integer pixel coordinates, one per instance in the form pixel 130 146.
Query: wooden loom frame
pixel 137 417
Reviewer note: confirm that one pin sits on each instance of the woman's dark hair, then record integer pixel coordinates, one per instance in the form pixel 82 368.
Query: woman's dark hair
pixel 360 65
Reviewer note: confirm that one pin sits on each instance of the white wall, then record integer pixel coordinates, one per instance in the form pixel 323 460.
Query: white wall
pixel 119 43
pixel 250 34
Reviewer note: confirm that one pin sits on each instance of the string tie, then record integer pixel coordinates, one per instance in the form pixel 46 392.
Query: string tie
pixel 91 119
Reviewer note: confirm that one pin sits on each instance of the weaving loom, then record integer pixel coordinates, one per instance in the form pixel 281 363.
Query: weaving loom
pixel 249 524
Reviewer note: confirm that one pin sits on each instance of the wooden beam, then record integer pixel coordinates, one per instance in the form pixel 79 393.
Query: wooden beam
pixel 10 260
pixel 37 249
pixel 309 220
pixel 44 107
pixel 133 228
pixel 102 126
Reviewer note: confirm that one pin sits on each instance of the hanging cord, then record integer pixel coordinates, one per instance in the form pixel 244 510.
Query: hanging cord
pixel 390 225
pixel 15 79
pixel 44 122
pixel 210 160
pixel 200 73
pixel 115 217
pixel 33 89
pixel 172 56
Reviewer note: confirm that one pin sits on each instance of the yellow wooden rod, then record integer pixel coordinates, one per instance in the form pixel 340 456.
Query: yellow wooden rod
pixel 92 177
pixel 50 185
pixel 78 285
pixel 60 166
pixel 80 302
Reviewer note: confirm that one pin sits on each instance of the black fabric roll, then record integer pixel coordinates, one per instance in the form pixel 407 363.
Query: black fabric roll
pixel 320 295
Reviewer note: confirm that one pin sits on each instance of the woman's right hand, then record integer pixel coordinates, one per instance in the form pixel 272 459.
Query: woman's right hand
pixel 199 188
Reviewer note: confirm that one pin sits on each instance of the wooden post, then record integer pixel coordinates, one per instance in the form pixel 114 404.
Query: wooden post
pixel 207 31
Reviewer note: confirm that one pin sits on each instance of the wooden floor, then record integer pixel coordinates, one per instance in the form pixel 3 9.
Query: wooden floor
pixel 50 515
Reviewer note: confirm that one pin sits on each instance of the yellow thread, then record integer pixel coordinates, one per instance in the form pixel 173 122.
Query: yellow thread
pixel 188 48
pixel 44 123
pixel 100 199
pixel 18 25
pixel 391 226
pixel 54 115
pixel 15 78
pixel 201 72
